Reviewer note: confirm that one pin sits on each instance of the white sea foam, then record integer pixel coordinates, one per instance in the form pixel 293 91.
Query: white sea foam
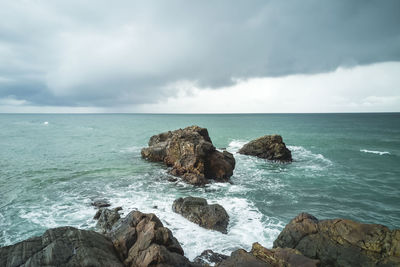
pixel 235 145
pixel 46 123
pixel 375 152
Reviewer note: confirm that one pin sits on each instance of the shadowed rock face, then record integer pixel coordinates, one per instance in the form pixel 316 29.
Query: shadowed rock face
pixel 64 246
pixel 209 257
pixel 197 210
pixel 269 147
pixel 106 218
pixel 341 242
pixel 141 240
pixel 191 155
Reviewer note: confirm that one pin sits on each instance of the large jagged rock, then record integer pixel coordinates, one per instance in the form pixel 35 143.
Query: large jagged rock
pixel 106 218
pixel 341 242
pixel 141 240
pixel 63 246
pixel 191 155
pixel 261 256
pixel 269 147
pixel 197 210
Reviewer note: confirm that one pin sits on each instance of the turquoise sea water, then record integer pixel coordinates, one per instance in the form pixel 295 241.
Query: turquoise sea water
pixel 52 166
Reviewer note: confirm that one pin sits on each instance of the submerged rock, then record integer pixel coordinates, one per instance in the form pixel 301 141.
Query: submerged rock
pixel 191 155
pixel 63 246
pixel 106 218
pixel 341 242
pixel 101 203
pixel 269 147
pixel 197 210
pixel 209 258
pixel 261 256
pixel 141 240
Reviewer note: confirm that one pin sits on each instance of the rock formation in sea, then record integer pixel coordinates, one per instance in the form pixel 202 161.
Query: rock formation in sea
pixel 341 242
pixel 63 246
pixel 269 147
pixel 197 210
pixel 106 218
pixel 191 155
pixel 261 256
pixel 209 258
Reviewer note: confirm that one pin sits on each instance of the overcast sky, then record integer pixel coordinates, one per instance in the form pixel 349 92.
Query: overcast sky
pixel 199 56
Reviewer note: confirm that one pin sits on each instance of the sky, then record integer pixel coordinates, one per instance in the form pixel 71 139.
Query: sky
pixel 199 56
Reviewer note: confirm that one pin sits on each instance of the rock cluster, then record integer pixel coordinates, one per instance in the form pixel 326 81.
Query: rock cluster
pixel 191 155
pixel 269 147
pixel 197 210
pixel 341 242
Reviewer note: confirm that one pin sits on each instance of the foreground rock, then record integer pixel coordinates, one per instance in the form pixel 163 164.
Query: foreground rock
pixel 260 256
pixel 106 218
pixel 141 240
pixel 191 155
pixel 64 246
pixel 269 147
pixel 341 242
pixel 197 210
pixel 209 258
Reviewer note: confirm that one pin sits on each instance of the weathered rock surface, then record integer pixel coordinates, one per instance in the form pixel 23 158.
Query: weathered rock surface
pixel 260 256
pixel 209 258
pixel 106 218
pixel 191 155
pixel 341 242
pixel 279 257
pixel 197 210
pixel 141 240
pixel 269 147
pixel 241 258
pixel 64 246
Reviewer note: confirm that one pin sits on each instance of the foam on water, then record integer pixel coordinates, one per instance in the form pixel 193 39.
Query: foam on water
pixel 375 152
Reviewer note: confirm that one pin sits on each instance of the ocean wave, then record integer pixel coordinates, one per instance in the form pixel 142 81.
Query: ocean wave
pixel 235 145
pixel 375 152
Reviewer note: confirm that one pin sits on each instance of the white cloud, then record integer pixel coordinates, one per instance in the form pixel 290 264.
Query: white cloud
pixel 373 88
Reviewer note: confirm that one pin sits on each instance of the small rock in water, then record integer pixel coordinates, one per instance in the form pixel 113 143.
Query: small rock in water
pixel 209 257
pixel 197 210
pixel 172 179
pixel 101 203
pixel 155 207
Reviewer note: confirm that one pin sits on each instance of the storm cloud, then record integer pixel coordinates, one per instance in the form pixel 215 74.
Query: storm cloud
pixel 103 54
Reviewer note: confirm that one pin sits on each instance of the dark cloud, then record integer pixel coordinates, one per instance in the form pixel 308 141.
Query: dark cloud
pixel 92 53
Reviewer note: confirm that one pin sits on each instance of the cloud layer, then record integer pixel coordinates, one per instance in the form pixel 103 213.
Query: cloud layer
pixel 97 54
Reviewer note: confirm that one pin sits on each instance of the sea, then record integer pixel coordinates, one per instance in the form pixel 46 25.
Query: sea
pixel 52 166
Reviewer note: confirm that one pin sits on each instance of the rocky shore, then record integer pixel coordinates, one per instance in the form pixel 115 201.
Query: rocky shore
pixel 141 239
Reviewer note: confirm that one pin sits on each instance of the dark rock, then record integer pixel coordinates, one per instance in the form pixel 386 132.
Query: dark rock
pixel 198 211
pixel 241 258
pixel 106 218
pixel 269 147
pixel 208 257
pixel 63 246
pixel 278 257
pixel 101 203
pixel 172 179
pixel 191 155
pixel 142 240
pixel 341 242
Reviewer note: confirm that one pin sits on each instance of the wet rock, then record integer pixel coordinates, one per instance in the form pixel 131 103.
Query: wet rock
pixel 278 257
pixel 141 240
pixel 269 147
pixel 63 246
pixel 191 155
pixel 341 242
pixel 101 203
pixel 106 218
pixel 197 210
pixel 209 258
